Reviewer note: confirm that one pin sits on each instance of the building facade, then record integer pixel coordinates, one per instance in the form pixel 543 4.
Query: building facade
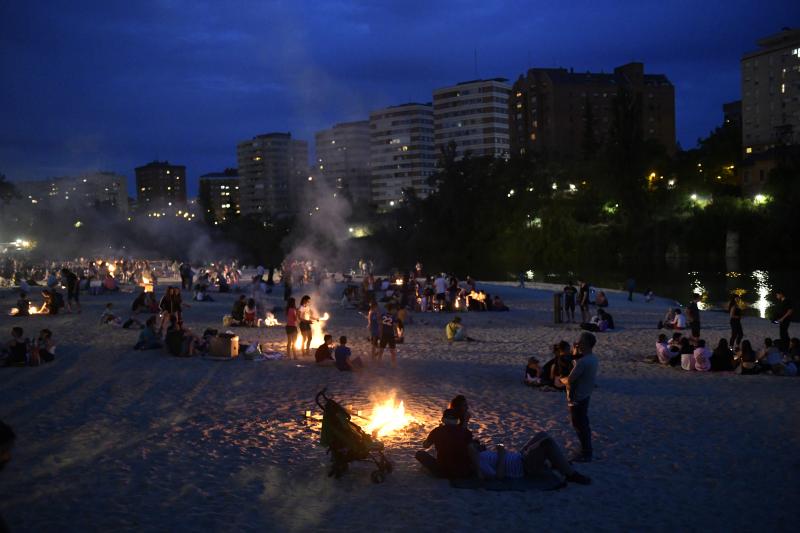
pixel 564 114
pixel 219 196
pixel 402 153
pixel 343 157
pixel 474 116
pixel 160 187
pixel 271 169
pixel 95 190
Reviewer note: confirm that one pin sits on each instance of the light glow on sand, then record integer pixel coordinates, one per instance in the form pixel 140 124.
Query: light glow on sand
pixel 387 417
pixel 317 333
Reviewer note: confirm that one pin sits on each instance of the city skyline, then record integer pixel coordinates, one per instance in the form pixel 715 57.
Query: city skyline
pixel 114 87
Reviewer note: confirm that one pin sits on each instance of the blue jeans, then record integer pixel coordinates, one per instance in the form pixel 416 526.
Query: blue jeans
pixel 579 415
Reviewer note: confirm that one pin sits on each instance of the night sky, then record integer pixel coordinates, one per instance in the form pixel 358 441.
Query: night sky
pixel 112 85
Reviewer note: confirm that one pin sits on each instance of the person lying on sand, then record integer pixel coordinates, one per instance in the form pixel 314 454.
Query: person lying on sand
pixel 540 454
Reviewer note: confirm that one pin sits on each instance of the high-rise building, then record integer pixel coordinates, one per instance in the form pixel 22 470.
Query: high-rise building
pixel 732 113
pixel 160 186
pixel 771 93
pixel 271 169
pixel 474 116
pixel 563 114
pixel 94 190
pixel 342 159
pixel 219 196
pixel 402 153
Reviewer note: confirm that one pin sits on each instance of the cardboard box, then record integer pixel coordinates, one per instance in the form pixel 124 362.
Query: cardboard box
pixel 224 346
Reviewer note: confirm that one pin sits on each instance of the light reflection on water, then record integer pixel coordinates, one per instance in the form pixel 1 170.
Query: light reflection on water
pixel 763 290
pixel 698 288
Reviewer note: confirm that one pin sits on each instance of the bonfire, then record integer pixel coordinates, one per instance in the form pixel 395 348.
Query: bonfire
pixel 317 333
pixel 387 417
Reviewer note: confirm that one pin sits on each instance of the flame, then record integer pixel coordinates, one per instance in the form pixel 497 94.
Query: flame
pixel 32 310
pixel 111 268
pixel 398 282
pixel 270 320
pixel 317 334
pixel 387 417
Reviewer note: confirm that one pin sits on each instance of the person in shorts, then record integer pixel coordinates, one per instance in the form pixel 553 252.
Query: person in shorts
pixel 374 326
pixel 387 334
pixel 73 289
pixel 569 302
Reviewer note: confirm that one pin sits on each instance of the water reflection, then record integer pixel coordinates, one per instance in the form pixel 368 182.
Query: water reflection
pixel 763 289
pixel 698 288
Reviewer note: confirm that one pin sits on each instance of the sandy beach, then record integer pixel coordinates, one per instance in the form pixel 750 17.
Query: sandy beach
pixel 110 438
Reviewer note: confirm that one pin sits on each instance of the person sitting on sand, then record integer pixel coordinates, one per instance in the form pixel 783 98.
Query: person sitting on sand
pixel 675 342
pixel 666 354
pixel 539 455
pixel 15 352
pixel 45 347
pixel 687 354
pixel 533 372
pixel 601 300
pixel 769 356
pixel 250 313
pixel 108 316
pixel 456 332
pixel 110 284
pixel 171 306
pixel 237 312
pixel 148 337
pixel 748 361
pixel 455 457
pixel 498 304
pixel 702 357
pixel 673 320
pixel 179 341
pixel 344 358
pixel 722 357
pixel 599 322
pixel 324 353
pixel 23 305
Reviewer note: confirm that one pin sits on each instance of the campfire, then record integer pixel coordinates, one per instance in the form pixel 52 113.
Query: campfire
pixel 147 283
pixel 317 333
pixel 32 310
pixel 270 320
pixel 387 417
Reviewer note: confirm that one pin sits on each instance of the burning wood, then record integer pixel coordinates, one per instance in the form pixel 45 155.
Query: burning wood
pixel 32 310
pixel 387 417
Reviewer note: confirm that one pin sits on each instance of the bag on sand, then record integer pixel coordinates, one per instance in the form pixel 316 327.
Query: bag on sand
pixel 228 321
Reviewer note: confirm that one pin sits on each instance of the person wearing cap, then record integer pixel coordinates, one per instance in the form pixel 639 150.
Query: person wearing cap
pixel 580 383
pixel 455 457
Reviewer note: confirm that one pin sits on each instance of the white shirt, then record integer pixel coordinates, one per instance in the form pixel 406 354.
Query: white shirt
pixel 680 321
pixel 702 359
pixel 663 352
pixel 440 285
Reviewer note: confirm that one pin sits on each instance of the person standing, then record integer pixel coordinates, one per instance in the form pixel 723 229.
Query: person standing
pixel 693 316
pixel 73 289
pixel 374 327
pixel 569 301
pixel 630 286
pixel 735 314
pixel 583 300
pixel 580 383
pixel 388 321
pixel 784 318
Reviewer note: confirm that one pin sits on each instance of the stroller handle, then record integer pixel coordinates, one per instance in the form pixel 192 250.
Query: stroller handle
pixel 321 394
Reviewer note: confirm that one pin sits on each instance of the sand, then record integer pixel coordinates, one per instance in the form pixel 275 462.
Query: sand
pixel 109 438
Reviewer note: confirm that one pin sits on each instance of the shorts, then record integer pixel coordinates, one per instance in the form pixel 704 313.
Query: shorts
pixel 387 340
pixel 291 331
pixel 305 327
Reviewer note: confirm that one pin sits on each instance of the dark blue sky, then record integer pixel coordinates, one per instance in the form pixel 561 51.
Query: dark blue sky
pixel 112 85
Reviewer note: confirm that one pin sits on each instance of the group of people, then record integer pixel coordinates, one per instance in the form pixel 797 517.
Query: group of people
pixel 693 354
pixel 22 351
pixel 459 455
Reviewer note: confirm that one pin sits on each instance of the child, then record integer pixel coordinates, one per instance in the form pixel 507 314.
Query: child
pixel 666 353
pixel 533 373
pixel 250 313
pixel 45 346
pixel 16 350
pixel 108 316
pixel 148 338
pixel 23 305
pixel 344 359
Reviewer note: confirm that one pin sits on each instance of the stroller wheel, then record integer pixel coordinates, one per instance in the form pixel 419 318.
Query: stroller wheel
pixel 378 476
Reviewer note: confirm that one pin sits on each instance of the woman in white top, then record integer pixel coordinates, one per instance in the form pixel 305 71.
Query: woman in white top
pixel 702 357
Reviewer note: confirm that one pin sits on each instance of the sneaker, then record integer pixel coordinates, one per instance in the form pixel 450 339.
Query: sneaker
pixel 580 479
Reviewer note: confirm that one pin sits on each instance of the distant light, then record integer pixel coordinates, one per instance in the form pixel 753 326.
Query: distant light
pixel 311 178
pixel 761 199
pixel 572 187
pixel 391 202
pixel 510 193
pixel 555 186
pixel 693 196
pixel 78 224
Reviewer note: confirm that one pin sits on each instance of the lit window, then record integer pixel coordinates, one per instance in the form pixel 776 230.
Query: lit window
pixel 783 88
pixel 748 150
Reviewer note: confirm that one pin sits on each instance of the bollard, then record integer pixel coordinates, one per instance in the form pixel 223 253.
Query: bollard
pixel 557 308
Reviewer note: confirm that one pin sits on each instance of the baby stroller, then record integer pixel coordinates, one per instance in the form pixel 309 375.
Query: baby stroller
pixel 347 442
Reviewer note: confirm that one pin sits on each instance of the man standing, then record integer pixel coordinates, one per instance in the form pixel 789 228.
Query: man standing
pixel 784 318
pixel 583 300
pixel 693 316
pixel 73 289
pixel 580 384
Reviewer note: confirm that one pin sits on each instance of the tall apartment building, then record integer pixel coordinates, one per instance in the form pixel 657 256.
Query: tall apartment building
pixel 402 152
pixel 94 190
pixel 219 195
pixel 552 107
pixel 160 186
pixel 474 116
pixel 342 159
pixel 272 168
